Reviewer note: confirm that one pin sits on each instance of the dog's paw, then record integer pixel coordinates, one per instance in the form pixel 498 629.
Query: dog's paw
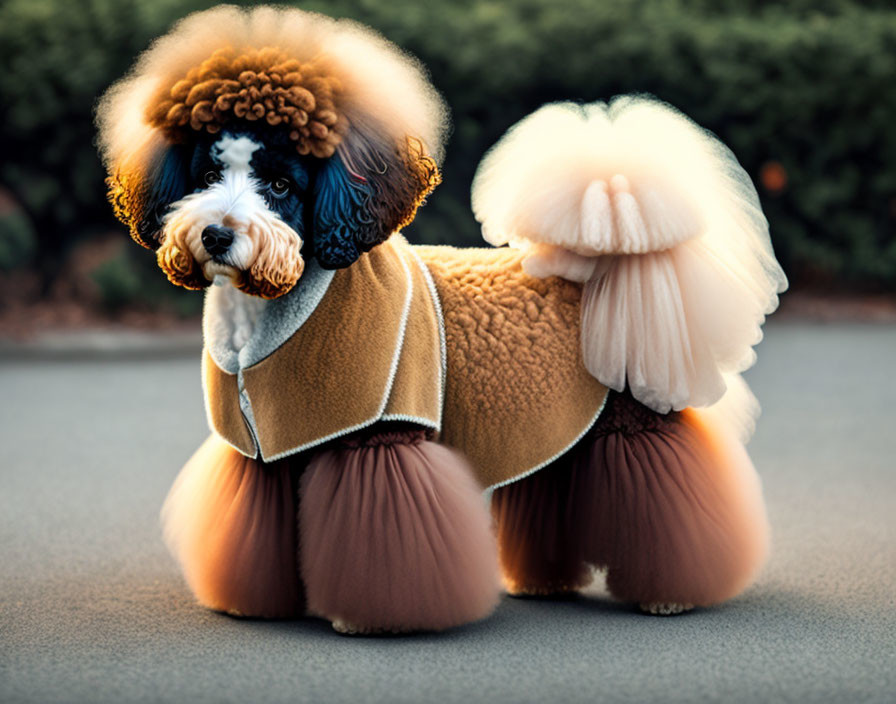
pixel 559 592
pixel 348 629
pixel 353 629
pixel 234 613
pixel 662 608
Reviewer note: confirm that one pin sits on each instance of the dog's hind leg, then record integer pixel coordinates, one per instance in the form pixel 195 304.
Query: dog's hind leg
pixel 395 536
pixel 540 547
pixel 231 523
pixel 671 506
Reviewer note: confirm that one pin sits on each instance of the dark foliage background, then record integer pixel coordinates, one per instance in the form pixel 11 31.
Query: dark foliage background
pixel 802 91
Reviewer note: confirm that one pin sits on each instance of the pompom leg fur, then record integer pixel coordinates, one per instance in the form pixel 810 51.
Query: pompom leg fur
pixel 668 504
pixel 395 536
pixel 675 509
pixel 231 523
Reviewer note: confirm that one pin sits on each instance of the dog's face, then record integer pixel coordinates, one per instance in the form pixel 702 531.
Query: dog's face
pixel 243 217
pixel 245 143
pixel 244 205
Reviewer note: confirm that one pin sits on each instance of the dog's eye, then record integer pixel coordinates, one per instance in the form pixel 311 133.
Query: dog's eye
pixel 280 187
pixel 211 178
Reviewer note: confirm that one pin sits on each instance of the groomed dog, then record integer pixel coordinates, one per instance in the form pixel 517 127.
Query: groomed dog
pixel 363 392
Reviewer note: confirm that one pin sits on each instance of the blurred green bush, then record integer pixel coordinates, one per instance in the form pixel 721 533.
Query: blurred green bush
pixel 17 240
pixel 801 91
pixel 118 283
pixel 131 280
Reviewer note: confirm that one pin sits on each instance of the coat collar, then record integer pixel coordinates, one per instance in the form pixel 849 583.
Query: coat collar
pixel 345 351
pixel 242 330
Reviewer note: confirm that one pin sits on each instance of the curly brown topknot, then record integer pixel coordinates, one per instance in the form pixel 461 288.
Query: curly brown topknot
pixel 258 85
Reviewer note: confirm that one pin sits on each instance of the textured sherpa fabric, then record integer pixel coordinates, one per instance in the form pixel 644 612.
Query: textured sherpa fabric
pixel 517 394
pixel 461 341
pixel 276 321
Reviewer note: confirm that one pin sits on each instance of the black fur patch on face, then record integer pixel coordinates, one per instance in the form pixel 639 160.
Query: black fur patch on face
pixel 165 182
pixel 285 181
pixel 341 216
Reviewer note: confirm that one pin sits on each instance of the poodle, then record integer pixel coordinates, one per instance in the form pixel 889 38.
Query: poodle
pixel 362 393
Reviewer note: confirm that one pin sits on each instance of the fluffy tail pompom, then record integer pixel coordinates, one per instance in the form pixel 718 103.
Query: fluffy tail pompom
pixel 662 225
pixel 395 536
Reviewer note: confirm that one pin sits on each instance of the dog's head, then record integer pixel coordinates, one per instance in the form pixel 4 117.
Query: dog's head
pixel 245 142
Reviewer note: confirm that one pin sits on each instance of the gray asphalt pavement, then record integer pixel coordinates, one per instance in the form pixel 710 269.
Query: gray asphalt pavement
pixel 93 609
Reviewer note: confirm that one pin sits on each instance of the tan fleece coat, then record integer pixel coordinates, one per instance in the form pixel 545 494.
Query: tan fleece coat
pixel 458 340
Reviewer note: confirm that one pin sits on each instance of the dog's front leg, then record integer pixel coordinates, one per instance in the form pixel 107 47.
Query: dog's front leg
pixel 395 536
pixel 231 523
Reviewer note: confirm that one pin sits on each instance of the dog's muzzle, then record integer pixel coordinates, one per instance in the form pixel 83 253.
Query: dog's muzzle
pixel 217 240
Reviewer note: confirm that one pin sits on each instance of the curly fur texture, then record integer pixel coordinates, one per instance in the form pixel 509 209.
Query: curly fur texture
pixel 384 93
pixel 658 219
pixel 128 195
pixel 256 85
pixel 247 140
pixel 514 365
pixel 333 90
pixel 265 260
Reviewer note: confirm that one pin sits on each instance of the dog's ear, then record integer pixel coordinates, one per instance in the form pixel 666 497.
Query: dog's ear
pixel 356 207
pixel 140 197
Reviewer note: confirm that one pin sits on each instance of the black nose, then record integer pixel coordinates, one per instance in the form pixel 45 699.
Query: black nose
pixel 217 239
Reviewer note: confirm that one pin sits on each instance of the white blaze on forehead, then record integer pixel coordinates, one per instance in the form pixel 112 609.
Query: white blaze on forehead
pixel 235 152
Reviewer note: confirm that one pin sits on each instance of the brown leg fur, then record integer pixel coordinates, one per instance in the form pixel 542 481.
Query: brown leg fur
pixel 395 536
pixel 231 523
pixel 671 507
pixel 541 550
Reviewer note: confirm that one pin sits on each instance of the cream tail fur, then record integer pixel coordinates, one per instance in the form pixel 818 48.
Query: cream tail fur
pixel 662 226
